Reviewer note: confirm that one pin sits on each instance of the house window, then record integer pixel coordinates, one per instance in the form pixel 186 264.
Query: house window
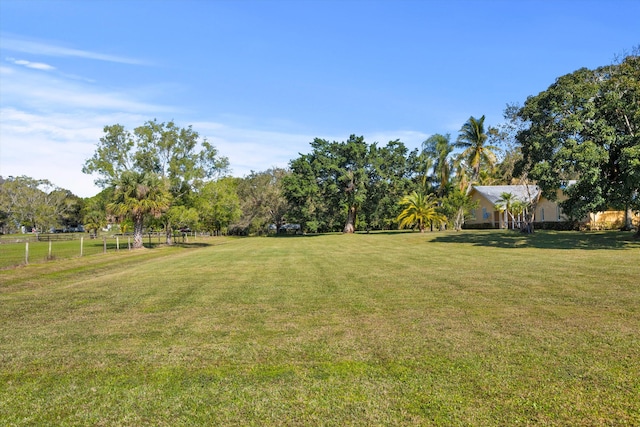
pixel 542 214
pixel 485 214
pixel 559 213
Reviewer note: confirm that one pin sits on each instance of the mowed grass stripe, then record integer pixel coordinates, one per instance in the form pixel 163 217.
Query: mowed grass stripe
pixel 472 328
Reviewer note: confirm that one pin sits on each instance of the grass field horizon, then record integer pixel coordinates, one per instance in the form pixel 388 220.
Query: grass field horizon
pixel 398 328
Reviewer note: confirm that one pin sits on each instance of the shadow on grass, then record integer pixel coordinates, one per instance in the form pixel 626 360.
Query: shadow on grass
pixel 543 239
pixel 359 232
pixel 195 244
pixel 294 236
pixel 192 245
pixel 386 232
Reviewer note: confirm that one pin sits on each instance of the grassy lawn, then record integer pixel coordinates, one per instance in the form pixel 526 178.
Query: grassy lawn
pixel 471 328
pixel 13 251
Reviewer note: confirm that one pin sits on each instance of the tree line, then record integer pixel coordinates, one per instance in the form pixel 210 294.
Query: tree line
pixel 580 134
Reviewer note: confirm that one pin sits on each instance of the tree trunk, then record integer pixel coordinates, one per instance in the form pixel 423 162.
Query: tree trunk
pixel 351 220
pixel 628 225
pixel 169 232
pixel 527 224
pixel 137 232
pixel 529 214
pixel 459 220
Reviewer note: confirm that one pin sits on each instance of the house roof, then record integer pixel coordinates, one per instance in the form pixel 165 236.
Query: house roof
pixel 493 193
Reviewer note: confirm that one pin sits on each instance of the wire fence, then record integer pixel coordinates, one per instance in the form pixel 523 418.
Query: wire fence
pixel 31 249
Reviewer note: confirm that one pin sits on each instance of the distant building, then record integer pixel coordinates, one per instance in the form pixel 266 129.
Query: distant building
pixel 487 215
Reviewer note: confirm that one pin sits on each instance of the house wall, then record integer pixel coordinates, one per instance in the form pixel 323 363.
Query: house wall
pixel 484 213
pixel 609 219
pixel 548 211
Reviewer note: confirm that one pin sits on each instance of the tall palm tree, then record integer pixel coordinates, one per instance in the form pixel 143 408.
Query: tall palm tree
pixel 137 195
pixel 438 147
pixel 419 210
pixel 473 140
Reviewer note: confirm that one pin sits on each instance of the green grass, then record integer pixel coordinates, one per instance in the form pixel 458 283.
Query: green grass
pixel 13 248
pixel 471 328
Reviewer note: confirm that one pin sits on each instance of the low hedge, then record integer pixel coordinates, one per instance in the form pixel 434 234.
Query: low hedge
pixel 557 226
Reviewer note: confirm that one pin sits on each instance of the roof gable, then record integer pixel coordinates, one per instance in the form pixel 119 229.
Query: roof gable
pixel 493 193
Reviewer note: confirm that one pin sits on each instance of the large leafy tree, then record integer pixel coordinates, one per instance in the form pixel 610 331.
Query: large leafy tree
pixel 181 217
pixel 305 196
pixel 351 174
pixel 585 127
pixel 348 185
pixel 505 136
pixel 178 156
pixel 262 199
pixel 390 174
pixel 94 211
pixel 21 199
pixel 186 162
pixel 218 204
pixel 328 186
pixel 37 203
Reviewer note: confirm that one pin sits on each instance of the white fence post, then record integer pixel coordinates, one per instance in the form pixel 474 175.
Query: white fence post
pixel 26 253
pixel 81 245
pixel 49 257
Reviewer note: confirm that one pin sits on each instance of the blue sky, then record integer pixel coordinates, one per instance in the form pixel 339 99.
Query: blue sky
pixel 261 79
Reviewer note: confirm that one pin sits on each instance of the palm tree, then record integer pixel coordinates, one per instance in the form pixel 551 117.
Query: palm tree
pixel 519 209
pixel 137 195
pixel 425 164
pixel 472 140
pixel 505 204
pixel 94 221
pixel 419 209
pixel 438 147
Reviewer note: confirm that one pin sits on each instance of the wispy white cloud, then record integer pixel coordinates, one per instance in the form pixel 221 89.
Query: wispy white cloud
pixel 51 122
pixel 17 44
pixel 51 125
pixel 35 65
pixel 51 146
pixel 54 146
pixel 257 150
pixel 60 92
pixel 253 150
